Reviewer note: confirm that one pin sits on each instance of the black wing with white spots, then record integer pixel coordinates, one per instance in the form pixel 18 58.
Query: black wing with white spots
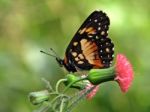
pixel 90 47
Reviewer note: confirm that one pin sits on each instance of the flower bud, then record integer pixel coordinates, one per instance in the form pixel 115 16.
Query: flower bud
pixel 97 76
pixel 38 97
pixel 72 78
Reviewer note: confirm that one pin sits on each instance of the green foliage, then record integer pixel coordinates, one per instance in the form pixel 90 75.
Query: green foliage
pixel 27 26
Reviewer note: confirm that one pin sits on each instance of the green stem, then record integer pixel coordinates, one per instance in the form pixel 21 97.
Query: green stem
pixel 68 86
pixel 61 95
pixel 55 99
pixel 62 105
pixel 58 83
pixel 53 93
pixel 48 84
pixel 73 104
pixel 44 108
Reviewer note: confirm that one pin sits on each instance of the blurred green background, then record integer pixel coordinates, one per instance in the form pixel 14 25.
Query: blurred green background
pixel 27 26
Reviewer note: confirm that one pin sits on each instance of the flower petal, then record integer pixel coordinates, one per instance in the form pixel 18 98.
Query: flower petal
pixel 93 92
pixel 124 72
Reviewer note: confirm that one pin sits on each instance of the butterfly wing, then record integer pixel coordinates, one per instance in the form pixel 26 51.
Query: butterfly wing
pixel 91 47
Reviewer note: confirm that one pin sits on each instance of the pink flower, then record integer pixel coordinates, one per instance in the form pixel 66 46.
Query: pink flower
pixel 124 72
pixel 88 86
pixel 93 92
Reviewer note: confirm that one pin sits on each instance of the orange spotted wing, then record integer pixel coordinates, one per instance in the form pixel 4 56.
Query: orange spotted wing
pixel 90 47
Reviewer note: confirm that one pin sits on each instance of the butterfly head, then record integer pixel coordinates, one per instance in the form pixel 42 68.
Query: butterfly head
pixel 60 61
pixel 67 65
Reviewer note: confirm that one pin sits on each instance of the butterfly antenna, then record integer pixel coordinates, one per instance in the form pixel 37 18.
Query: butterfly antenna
pixel 48 54
pixel 51 49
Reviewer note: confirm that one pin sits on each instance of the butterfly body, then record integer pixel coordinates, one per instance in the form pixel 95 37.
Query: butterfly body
pixel 90 47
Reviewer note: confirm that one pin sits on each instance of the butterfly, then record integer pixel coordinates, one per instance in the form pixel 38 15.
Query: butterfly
pixel 90 47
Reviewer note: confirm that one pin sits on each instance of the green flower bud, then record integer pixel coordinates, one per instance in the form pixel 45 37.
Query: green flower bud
pixel 97 76
pixel 38 97
pixel 72 78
